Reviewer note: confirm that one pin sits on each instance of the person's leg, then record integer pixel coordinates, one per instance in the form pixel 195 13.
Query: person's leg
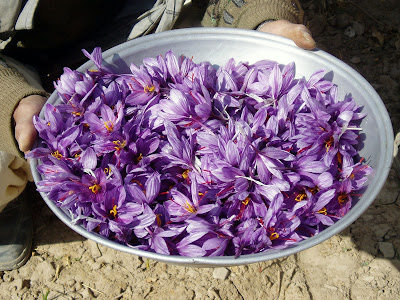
pixel 14 175
pixel 15 213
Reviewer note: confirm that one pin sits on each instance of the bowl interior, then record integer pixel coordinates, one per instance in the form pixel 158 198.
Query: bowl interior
pixel 217 45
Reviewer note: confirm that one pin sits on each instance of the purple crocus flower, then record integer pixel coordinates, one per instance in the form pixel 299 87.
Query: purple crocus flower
pixel 181 207
pixel 108 122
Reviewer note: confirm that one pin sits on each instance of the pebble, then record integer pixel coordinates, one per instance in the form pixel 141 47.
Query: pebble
pixel 331 287
pixel 355 60
pixel 221 273
pixel 359 28
pixel 213 294
pixel 350 32
pixel 387 249
pixel 87 294
pixel 18 283
pixel 96 266
pixel 367 217
pixel 94 249
pixel 8 277
pixel 71 282
pixel 78 286
pixel 192 273
pixel 397 44
pixel 380 230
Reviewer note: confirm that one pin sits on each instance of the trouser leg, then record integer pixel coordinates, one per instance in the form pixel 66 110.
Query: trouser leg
pixel 14 175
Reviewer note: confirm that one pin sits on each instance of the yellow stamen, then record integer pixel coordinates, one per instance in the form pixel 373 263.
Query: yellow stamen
pixel 95 188
pixel 114 211
pixel 301 197
pixel 48 124
pixel 189 208
pixel 246 201
pixel 328 143
pixel 342 198
pixel 158 220
pixel 106 170
pixel 57 155
pixel 149 89
pixel 313 190
pixel 322 211
pixel 185 174
pixel 274 236
pixel 109 125
pixel 119 145
pixel 77 113
pixel 139 158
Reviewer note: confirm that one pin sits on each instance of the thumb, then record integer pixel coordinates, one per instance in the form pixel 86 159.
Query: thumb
pixel 298 33
pixel 25 132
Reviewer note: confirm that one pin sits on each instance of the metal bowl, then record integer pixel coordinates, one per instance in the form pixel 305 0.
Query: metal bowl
pixel 217 45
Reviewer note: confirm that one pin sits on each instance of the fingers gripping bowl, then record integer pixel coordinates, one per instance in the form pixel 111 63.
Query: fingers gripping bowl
pixel 219 45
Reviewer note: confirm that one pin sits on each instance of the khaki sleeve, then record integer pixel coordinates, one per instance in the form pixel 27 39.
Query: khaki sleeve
pixel 248 14
pixel 13 88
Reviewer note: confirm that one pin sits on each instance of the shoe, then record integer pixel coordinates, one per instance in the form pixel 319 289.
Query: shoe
pixel 15 233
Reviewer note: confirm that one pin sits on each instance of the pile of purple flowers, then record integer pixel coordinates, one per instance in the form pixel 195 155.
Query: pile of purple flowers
pixel 185 159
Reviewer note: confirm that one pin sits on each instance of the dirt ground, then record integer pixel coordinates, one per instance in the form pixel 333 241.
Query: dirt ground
pixel 362 262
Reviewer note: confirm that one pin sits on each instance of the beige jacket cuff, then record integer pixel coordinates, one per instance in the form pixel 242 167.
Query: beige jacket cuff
pixel 13 88
pixel 249 14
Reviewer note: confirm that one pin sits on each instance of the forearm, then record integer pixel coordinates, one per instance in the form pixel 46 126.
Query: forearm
pixel 251 13
pixel 13 88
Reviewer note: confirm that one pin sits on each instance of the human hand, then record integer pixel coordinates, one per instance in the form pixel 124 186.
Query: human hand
pixel 25 132
pixel 299 33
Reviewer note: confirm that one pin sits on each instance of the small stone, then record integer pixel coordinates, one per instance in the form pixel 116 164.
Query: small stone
pixel 367 217
pixel 213 294
pixel 192 273
pixel 151 279
pixel 349 31
pixel 18 283
pixel 94 249
pixel 71 282
pixel 367 278
pixel 221 273
pixel 387 249
pixel 87 294
pixel 96 266
pixel 78 286
pixel 380 230
pixel 397 44
pixel 355 60
pixel 7 277
pixel 359 28
pixel 331 287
